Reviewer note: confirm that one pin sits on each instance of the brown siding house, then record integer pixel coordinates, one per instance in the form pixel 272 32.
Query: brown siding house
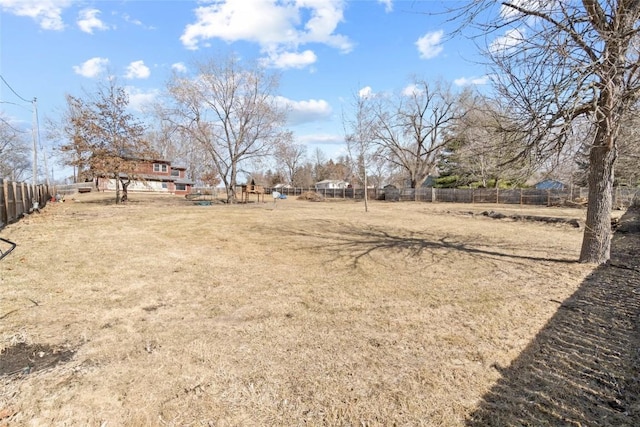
pixel 157 176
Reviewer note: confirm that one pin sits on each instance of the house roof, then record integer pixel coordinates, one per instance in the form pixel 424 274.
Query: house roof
pixel 550 184
pixel 184 181
pixel 331 181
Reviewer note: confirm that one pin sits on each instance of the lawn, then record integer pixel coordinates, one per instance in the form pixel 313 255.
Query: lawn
pixel 163 312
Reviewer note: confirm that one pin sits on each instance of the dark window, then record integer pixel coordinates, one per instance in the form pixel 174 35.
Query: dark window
pixel 181 187
pixel 175 172
pixel 158 167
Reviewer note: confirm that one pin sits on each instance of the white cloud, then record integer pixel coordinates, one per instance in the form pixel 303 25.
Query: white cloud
pixel 139 99
pixel 366 92
pixel 411 90
pixel 280 28
pixel 388 5
pixel 429 45
pixel 299 112
pixel 92 67
pixel 88 21
pixel 290 59
pixel 510 39
pixel 47 13
pixel 321 139
pixel 464 81
pixel 179 67
pixel 137 70
pixel 130 20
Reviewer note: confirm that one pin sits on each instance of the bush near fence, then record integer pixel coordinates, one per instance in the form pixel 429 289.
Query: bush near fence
pixel 622 197
pixel 18 199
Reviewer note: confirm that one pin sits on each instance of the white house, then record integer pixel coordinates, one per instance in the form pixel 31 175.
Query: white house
pixel 330 184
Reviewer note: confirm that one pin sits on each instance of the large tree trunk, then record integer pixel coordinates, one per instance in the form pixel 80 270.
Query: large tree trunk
pixel 232 197
pixel 596 243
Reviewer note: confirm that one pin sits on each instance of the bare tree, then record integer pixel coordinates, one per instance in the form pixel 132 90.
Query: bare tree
pixel 482 146
pixel 359 135
pixel 230 110
pixel 179 148
pixel 103 139
pixel 559 61
pixel 319 159
pixel 627 171
pixel 14 151
pixel 290 157
pixel 410 128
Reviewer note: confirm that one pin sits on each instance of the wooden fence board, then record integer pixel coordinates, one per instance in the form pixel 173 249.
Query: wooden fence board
pixel 17 199
pixel 3 204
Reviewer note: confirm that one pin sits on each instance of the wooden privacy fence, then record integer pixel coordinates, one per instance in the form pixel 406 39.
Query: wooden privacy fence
pixel 622 197
pixel 18 199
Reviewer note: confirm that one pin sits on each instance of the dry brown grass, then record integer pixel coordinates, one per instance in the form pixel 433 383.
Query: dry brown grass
pixel 295 314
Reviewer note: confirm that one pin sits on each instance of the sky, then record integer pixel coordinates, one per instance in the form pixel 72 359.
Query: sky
pixel 325 50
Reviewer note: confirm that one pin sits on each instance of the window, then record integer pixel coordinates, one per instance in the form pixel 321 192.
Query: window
pixel 181 187
pixel 175 172
pixel 159 167
pixel 164 185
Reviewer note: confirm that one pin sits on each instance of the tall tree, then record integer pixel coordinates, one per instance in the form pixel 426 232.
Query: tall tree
pixel 14 151
pixel 410 128
pixel 229 108
pixel 359 135
pixel 559 61
pixel 103 138
pixel 289 157
pixel 319 170
pixel 627 171
pixel 482 145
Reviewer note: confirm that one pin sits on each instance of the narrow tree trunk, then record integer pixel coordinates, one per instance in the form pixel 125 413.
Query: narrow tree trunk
pixel 117 180
pixel 366 195
pixel 596 243
pixel 125 191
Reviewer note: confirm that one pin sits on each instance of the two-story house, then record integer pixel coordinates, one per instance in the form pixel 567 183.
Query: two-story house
pixel 157 176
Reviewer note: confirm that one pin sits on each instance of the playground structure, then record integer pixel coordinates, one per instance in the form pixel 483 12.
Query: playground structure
pixel 249 189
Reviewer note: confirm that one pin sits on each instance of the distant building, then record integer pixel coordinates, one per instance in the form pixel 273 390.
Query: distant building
pixel 282 186
pixel 550 184
pixel 331 184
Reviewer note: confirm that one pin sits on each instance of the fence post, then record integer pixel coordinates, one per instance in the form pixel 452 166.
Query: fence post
pixel 521 197
pixel 3 203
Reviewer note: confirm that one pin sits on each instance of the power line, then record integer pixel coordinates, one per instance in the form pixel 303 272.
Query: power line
pixel 6 123
pixel 14 92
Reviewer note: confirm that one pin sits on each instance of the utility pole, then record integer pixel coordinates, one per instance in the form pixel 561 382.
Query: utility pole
pixel 34 132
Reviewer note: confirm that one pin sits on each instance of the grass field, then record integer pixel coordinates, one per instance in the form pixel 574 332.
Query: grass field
pixel 162 312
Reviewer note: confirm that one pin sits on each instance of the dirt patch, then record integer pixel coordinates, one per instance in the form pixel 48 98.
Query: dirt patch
pixel 311 197
pixel 24 358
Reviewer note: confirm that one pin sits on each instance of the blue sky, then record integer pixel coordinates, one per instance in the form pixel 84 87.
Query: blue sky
pixel 325 50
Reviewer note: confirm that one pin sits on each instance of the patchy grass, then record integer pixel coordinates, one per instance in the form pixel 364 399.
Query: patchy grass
pixel 261 314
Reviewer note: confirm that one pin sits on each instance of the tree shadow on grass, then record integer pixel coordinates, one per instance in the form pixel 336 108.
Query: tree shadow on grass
pixel 583 368
pixel 358 243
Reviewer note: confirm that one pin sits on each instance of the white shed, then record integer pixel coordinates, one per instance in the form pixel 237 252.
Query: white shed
pixel 330 184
